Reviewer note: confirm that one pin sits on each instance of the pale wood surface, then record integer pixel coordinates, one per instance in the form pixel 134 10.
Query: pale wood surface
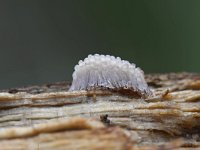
pixel 172 113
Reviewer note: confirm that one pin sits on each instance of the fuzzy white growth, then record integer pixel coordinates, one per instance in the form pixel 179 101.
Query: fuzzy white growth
pixel 109 72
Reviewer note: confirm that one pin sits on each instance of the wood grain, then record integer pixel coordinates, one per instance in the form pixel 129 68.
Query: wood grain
pixel 169 119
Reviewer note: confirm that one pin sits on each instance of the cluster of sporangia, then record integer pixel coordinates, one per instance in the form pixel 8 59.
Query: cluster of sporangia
pixel 108 72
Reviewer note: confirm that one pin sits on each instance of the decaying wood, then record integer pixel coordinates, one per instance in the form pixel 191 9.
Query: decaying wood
pixel 53 126
pixel 45 116
pixel 88 134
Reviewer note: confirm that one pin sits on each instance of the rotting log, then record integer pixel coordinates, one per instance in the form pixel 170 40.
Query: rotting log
pixel 45 117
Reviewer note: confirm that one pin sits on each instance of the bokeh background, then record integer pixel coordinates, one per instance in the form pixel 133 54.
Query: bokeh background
pixel 41 41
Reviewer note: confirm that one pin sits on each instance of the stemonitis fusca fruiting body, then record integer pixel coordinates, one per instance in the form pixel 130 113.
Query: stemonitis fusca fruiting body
pixel 105 71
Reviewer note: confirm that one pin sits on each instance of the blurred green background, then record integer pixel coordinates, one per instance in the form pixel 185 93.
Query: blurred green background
pixel 41 41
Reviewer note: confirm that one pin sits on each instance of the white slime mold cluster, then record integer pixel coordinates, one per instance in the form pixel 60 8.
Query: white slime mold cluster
pixel 108 72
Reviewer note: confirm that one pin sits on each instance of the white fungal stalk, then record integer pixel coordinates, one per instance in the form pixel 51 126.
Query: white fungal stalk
pixel 108 72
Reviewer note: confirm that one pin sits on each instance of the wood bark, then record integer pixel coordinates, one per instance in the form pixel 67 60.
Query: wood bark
pixel 49 117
